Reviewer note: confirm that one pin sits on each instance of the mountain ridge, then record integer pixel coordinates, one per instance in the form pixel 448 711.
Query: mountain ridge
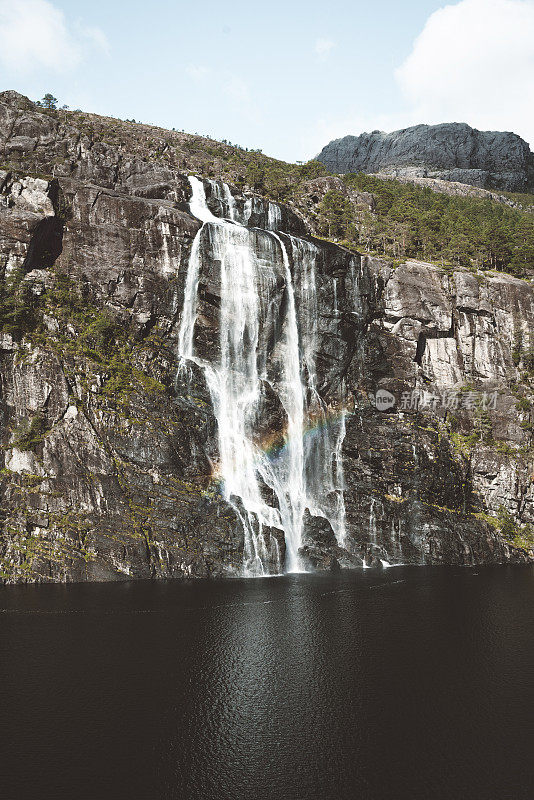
pixel 449 151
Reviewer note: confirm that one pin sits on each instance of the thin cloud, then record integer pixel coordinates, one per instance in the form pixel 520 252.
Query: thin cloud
pixel 323 48
pixel 238 92
pixel 325 130
pixel 473 62
pixel 95 37
pixel 197 71
pixel 237 89
pixel 35 35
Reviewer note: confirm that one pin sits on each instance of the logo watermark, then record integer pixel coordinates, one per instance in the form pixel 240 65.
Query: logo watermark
pixel 447 400
pixel 383 400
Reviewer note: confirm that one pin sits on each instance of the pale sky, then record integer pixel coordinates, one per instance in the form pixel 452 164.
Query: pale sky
pixel 283 76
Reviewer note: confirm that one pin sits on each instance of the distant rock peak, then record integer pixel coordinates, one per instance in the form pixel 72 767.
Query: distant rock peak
pixel 450 151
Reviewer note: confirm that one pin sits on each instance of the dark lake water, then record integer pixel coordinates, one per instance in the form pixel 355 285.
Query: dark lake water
pixel 406 683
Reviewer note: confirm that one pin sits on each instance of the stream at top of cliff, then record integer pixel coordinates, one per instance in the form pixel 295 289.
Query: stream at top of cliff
pixel 412 682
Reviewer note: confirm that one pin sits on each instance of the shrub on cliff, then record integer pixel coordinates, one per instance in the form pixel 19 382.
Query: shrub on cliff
pixel 518 535
pixel 29 437
pixel 17 305
pixel 48 101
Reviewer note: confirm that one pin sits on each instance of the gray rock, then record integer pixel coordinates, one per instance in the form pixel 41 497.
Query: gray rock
pixel 120 483
pixel 451 151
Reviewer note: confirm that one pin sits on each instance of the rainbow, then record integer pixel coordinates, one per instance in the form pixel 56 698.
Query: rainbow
pixel 275 442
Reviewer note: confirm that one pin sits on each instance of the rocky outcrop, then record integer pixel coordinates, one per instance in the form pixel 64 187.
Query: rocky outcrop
pixel 453 346
pixel 451 152
pixel 110 452
pixel 456 189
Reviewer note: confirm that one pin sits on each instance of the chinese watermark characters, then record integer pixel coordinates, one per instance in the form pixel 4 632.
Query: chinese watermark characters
pixel 448 400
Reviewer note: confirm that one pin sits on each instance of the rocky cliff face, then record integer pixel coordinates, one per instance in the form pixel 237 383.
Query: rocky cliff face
pixel 452 152
pixel 112 453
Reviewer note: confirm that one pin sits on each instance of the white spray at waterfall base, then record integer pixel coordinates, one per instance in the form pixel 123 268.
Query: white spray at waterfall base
pixel 269 489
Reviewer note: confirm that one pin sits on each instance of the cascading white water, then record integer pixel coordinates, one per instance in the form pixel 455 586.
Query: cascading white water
pixel 235 386
pixel 372 522
pixel 395 539
pixel 325 426
pixel 292 397
pixel 249 209
pixel 222 194
pixel 198 205
pixel 254 270
pixel 234 382
pixel 229 198
pixel 266 214
pixel 274 217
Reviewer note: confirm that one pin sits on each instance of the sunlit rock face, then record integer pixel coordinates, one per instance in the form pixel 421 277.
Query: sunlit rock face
pixel 189 385
pixel 450 151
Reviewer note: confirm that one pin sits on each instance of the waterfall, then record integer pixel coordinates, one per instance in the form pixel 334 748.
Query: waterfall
pixel 261 213
pixel 323 447
pixel 250 208
pixel 197 205
pixel 219 192
pixel 395 539
pixel 292 399
pixel 235 388
pixel 268 337
pixel 229 198
pixel 372 522
pixel 274 217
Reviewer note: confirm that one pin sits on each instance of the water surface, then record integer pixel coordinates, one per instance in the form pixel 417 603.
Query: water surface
pixel 407 683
